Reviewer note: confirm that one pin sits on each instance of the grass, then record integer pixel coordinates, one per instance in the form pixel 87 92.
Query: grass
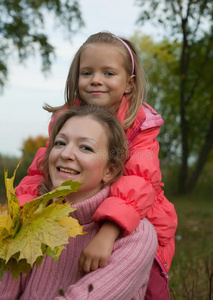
pixel 192 267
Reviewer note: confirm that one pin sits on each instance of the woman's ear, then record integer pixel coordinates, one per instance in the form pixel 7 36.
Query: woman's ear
pixel 110 173
pixel 130 84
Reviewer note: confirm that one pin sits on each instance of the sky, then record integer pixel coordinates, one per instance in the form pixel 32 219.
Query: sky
pixel 21 113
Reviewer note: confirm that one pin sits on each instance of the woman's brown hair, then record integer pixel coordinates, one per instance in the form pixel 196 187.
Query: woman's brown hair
pixel 117 145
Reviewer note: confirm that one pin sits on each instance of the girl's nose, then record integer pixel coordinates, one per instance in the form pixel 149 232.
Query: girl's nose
pixel 96 79
pixel 68 153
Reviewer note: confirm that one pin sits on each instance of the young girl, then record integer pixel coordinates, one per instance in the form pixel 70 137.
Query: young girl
pixel 106 71
pixel 84 140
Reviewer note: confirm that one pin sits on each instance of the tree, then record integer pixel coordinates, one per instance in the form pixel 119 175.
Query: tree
pixel 22 26
pixel 190 22
pixel 31 145
pixel 29 149
pixel 160 62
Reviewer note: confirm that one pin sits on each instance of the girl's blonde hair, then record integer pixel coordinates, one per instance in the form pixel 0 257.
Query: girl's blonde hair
pixel 117 146
pixel 139 91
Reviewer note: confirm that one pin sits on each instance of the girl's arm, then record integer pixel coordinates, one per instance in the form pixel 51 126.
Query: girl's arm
pixel 127 272
pixel 138 193
pixel 28 188
pixel 96 254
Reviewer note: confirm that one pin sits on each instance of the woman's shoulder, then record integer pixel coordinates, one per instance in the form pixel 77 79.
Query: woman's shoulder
pixel 144 232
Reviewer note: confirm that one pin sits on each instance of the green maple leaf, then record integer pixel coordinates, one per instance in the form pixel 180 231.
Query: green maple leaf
pixel 27 235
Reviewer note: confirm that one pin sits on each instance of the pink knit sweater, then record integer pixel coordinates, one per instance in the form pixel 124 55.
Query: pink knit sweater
pixel 125 276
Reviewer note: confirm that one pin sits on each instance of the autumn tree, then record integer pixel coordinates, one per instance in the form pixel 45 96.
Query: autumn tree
pixel 22 29
pixel 188 23
pixel 31 145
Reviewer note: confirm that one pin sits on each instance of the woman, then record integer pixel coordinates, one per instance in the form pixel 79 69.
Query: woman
pixel 88 145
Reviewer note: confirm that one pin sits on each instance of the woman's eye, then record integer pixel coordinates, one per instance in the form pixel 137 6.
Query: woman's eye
pixel 86 148
pixel 59 143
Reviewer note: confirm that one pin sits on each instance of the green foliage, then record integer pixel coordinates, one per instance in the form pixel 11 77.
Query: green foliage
pixel 22 26
pixel 179 68
pixel 27 234
pixel 197 16
pixel 160 61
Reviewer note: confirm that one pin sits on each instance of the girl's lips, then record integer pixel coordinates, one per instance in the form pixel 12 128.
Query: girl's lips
pixel 96 92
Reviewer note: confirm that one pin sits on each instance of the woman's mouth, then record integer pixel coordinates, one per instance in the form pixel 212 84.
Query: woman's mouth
pixel 68 171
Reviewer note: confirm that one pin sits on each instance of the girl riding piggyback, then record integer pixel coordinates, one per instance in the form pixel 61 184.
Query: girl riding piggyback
pixel 106 71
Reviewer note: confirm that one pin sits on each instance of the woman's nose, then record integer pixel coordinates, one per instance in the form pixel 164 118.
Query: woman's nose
pixel 68 153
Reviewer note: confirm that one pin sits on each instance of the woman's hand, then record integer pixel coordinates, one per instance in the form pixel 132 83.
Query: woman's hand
pixel 96 254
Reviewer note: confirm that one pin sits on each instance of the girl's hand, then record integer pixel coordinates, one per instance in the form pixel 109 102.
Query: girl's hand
pixel 96 254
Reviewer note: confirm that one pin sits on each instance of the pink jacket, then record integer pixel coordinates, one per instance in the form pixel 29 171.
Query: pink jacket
pixel 125 277
pixel 136 194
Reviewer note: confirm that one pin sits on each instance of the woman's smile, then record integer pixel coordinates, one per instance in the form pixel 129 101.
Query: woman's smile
pixel 68 171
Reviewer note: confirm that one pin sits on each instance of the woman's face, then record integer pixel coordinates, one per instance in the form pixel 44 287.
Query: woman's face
pixel 80 153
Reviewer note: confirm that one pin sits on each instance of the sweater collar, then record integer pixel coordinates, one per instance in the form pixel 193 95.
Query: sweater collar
pixel 86 209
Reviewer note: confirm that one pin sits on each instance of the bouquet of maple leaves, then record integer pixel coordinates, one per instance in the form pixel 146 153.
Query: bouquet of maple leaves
pixel 27 234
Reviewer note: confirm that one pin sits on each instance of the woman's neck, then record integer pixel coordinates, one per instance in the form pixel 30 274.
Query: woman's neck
pixel 86 209
pixel 81 196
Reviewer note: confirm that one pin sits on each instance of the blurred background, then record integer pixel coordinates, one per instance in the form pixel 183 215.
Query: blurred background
pixel 174 39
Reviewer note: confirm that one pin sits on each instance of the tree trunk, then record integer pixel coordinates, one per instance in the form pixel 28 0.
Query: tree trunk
pixel 184 61
pixel 203 156
pixel 183 171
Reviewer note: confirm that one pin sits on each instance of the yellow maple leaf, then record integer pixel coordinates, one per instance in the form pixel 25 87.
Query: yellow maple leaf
pixel 72 225
pixel 41 228
pixel 14 210
pixel 6 224
pixel 37 230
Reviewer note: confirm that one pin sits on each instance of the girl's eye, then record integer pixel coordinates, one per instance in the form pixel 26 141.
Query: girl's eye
pixel 86 148
pixel 86 73
pixel 109 73
pixel 59 143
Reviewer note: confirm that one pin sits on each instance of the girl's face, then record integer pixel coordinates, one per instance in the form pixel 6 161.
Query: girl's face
pixel 103 79
pixel 80 153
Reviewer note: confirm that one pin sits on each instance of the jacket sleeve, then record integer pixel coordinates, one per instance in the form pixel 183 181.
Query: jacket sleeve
pixel 127 272
pixel 28 188
pixel 139 190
